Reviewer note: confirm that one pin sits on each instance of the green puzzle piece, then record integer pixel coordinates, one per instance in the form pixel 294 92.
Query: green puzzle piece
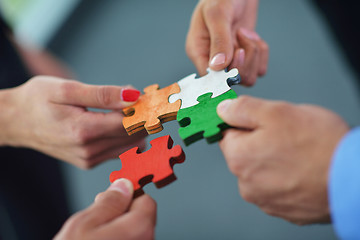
pixel 202 120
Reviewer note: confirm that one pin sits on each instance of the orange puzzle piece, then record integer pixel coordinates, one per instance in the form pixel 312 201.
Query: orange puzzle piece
pixel 151 110
pixel 154 165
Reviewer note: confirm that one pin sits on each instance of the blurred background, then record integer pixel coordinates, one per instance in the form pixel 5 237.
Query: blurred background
pixel 142 42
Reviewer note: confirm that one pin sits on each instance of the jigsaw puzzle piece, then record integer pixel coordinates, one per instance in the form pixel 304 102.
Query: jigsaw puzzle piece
pixel 154 165
pixel 202 120
pixel 215 82
pixel 151 110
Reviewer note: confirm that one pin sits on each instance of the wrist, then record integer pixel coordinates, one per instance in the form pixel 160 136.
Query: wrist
pixel 6 117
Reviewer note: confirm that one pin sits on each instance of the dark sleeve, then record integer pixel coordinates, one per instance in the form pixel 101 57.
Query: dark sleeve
pixel 12 70
pixel 344 21
pixel 44 209
pixel 4 26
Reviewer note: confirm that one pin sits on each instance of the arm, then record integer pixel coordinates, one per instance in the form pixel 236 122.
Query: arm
pixel 114 215
pixel 344 190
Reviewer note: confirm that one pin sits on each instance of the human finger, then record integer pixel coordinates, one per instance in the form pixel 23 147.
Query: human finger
pixel 197 42
pixel 138 223
pixel 248 40
pixel 243 112
pixel 238 60
pixel 264 57
pixel 218 22
pixel 114 152
pixel 110 204
pixel 236 145
pixel 91 126
pixel 85 95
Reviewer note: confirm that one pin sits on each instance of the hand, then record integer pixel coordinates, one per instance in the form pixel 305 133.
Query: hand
pixel 113 216
pixel 50 115
pixel 222 35
pixel 280 154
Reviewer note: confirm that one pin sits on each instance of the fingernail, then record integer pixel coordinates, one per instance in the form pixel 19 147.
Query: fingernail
pixel 250 34
pixel 129 95
pixel 218 59
pixel 241 57
pixel 122 185
pixel 223 106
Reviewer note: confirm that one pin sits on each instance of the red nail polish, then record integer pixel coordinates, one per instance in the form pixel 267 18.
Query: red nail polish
pixel 129 95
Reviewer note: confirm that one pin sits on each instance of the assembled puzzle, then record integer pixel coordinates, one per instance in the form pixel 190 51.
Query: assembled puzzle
pixel 192 101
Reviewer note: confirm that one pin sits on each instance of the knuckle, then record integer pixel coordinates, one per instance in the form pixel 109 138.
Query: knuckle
pixel 99 197
pixel 141 233
pixel 243 101
pixel 252 50
pixel 35 85
pixel 298 222
pixel 84 164
pixel 247 194
pixel 81 136
pixel 255 49
pixel 35 80
pixel 65 89
pixel 148 233
pixel 85 158
pixel 264 46
pixel 281 108
pixel 219 41
pixel 111 200
pixel 103 95
pixel 244 77
pixel 270 211
pixel 240 169
pixel 76 223
pixel 215 9
pixel 234 164
pixel 151 204
pixel 246 174
pixel 234 168
pixel 231 153
pixel 86 153
pixel 251 81
pixel 262 71
pixel 248 76
pixel 189 49
pixel 145 228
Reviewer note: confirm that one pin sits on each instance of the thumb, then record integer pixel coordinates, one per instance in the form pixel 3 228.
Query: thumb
pixel 110 204
pixel 221 45
pixel 242 112
pixel 104 97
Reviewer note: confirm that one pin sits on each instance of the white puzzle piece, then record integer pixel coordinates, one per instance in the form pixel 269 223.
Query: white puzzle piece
pixel 191 87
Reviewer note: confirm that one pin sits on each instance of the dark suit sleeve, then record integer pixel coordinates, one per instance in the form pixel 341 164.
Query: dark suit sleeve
pixel 343 19
pixel 31 184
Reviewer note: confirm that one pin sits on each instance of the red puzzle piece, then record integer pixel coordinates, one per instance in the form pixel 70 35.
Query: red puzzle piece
pixel 154 165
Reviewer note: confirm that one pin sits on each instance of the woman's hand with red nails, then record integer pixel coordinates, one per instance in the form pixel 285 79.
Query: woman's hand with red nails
pixel 51 115
pixel 221 35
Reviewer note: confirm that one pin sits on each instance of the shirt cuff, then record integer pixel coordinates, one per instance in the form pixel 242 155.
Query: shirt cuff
pixel 344 186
